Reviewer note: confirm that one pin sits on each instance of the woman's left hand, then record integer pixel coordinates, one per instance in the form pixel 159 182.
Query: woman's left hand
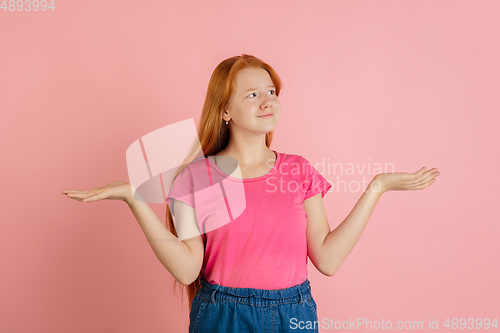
pixel 403 181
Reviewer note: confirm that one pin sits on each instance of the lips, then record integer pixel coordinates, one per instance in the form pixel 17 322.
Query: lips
pixel 267 114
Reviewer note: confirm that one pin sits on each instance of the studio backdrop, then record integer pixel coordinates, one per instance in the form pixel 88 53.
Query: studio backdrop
pixel 368 87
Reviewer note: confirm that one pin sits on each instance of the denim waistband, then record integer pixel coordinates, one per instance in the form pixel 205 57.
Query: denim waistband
pixel 207 291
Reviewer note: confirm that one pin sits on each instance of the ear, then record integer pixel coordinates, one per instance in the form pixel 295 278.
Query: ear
pixel 226 116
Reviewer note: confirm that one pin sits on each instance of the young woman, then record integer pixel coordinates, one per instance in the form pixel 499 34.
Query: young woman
pixel 248 217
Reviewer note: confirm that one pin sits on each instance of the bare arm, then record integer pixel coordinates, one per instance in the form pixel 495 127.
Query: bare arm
pixel 182 256
pixel 341 240
pixel 329 249
pixel 183 259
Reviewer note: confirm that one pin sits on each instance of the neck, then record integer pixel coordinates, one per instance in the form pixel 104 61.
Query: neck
pixel 249 155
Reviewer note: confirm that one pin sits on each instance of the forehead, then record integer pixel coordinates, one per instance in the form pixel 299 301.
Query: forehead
pixel 252 77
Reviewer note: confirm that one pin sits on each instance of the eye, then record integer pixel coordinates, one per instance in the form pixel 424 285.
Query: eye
pixel 269 90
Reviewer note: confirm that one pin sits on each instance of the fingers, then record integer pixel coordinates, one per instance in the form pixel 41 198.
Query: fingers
pixel 420 173
pixel 94 197
pixel 75 191
pixel 429 174
pixel 423 185
pixel 76 196
pixel 421 170
pixel 425 180
pixel 84 196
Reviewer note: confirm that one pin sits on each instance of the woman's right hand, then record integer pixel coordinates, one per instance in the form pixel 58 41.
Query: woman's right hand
pixel 118 190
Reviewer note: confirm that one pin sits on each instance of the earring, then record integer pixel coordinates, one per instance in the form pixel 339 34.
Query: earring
pixel 227 122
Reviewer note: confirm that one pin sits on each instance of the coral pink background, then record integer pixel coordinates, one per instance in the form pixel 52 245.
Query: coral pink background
pixel 412 83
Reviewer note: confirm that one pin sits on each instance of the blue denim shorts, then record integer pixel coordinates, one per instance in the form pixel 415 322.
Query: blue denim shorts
pixel 221 309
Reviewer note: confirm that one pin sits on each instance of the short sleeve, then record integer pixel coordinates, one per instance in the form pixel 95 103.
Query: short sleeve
pixel 182 189
pixel 314 181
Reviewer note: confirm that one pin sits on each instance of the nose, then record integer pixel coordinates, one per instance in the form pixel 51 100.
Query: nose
pixel 267 102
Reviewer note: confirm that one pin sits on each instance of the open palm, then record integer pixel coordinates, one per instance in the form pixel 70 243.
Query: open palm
pixel 118 190
pixel 403 181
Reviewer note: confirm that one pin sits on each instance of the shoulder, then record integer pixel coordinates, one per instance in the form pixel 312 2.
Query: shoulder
pixel 293 158
pixel 296 162
pixel 189 171
pixel 195 166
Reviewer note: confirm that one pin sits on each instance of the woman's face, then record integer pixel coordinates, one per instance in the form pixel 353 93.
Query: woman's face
pixel 254 96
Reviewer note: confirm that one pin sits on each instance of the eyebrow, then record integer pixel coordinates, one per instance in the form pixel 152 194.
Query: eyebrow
pixel 257 88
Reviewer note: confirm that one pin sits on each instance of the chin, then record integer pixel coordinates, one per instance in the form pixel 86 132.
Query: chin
pixel 268 129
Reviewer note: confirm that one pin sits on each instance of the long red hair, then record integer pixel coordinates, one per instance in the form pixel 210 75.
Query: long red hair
pixel 213 132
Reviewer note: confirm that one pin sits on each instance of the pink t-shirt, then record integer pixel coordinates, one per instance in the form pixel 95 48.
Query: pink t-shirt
pixel 260 237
